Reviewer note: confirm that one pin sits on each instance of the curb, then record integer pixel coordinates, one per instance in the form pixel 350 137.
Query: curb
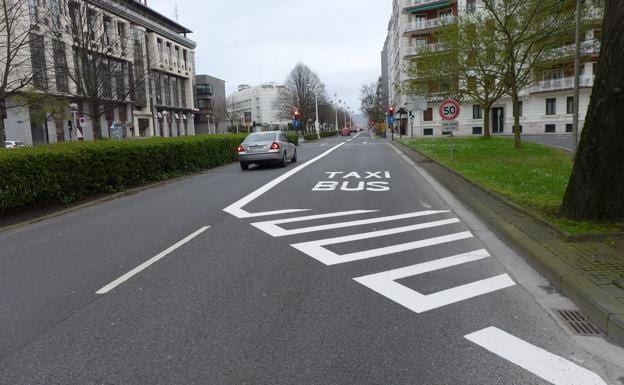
pixel 603 309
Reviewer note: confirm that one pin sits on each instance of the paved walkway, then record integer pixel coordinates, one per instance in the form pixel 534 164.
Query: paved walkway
pixel 584 271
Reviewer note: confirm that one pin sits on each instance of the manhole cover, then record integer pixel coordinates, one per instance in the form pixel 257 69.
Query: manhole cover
pixel 579 322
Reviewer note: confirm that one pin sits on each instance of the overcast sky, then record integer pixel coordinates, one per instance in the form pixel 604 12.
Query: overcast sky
pixel 254 41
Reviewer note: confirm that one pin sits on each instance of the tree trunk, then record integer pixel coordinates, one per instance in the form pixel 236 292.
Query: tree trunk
pixel 95 119
pixel 596 188
pixel 516 117
pixel 486 121
pixel 2 131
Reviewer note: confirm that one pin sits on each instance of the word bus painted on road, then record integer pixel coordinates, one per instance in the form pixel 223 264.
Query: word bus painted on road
pixel 374 181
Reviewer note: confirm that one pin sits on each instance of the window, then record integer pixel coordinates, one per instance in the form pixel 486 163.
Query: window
pixel 570 105
pixel 168 52
pixel 55 14
pixel 569 127
pixel 34 11
pixel 176 91
pixel 428 115
pixel 520 109
pixel 91 23
pixel 159 45
pixel 204 104
pixel 551 106
pixel 37 55
pixel 60 66
pixel 159 88
pixel 553 74
pixel 121 33
pixel 477 130
pixel 184 57
pixel 183 92
pixel 120 82
pixel 428 131
pixel 167 86
pixel 204 89
pixel 177 56
pixel 108 30
pixel 477 112
pixel 550 128
pixel 471 6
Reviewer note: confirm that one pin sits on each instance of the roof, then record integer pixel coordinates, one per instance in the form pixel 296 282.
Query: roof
pixel 152 14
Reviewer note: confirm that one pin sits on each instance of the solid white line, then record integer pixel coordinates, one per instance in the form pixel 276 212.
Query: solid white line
pixel 538 361
pixel 148 263
pixel 236 208
pixel 271 228
pixel 385 283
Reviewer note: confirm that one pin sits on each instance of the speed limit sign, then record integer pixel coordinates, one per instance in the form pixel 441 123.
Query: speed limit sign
pixel 449 109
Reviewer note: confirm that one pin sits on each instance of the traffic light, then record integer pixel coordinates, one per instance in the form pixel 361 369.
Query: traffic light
pixel 391 110
pixel 296 115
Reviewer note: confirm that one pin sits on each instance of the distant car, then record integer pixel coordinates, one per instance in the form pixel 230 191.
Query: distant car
pixel 270 147
pixel 345 132
pixel 13 144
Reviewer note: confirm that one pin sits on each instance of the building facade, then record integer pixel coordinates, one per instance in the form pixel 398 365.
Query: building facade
pixel 546 105
pixel 256 106
pixel 146 65
pixel 211 103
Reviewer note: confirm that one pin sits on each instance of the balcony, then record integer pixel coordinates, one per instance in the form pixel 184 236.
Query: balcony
pixel 421 26
pixel 433 47
pixel 588 47
pixel 426 5
pixel 561 84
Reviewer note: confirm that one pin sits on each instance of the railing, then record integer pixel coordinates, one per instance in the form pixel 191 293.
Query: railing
pixel 587 47
pixel 433 47
pixel 427 24
pixel 561 84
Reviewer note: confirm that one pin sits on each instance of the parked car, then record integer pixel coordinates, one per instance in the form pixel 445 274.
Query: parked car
pixel 13 144
pixel 270 147
pixel 345 132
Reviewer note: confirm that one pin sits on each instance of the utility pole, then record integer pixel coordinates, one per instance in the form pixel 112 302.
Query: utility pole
pixel 577 74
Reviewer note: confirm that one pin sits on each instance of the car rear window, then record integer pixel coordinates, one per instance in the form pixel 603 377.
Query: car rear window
pixel 260 137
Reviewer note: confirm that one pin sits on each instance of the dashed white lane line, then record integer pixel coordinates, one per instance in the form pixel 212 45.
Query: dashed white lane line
pixel 538 361
pixel 316 249
pixel 236 208
pixel 272 228
pixel 149 262
pixel 385 283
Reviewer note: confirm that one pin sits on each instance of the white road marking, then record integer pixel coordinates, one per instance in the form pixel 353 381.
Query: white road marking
pixel 271 228
pixel 236 208
pixel 538 361
pixel 149 262
pixel 316 250
pixel 385 284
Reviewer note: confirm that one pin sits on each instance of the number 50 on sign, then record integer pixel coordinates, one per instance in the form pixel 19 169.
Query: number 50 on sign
pixel 449 109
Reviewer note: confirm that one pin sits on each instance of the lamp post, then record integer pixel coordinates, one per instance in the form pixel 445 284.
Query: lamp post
pixel 316 90
pixel 577 73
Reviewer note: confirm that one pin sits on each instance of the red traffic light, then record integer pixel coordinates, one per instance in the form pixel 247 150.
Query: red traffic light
pixel 296 114
pixel 391 110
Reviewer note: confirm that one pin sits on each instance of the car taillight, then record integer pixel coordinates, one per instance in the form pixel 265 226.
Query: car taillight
pixel 240 148
pixel 275 146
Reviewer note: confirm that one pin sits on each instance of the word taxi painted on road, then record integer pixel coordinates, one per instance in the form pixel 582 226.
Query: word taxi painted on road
pixel 374 181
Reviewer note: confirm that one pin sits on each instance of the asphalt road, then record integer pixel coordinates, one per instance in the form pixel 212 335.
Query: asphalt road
pixel 563 141
pixel 222 278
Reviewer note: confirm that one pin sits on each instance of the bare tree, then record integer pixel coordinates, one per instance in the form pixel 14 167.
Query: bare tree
pixel 19 26
pixel 596 188
pixel 102 71
pixel 299 94
pixel 526 31
pixel 371 101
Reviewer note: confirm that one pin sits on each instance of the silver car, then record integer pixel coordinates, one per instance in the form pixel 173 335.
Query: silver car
pixel 13 144
pixel 272 147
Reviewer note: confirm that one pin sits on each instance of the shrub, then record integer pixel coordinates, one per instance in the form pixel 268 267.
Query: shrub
pixel 293 137
pixel 310 136
pixel 325 134
pixel 62 173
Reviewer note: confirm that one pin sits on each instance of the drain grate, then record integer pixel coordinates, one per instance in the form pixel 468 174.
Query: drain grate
pixel 579 322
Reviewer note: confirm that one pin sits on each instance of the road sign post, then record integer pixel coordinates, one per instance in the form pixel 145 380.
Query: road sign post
pixel 449 111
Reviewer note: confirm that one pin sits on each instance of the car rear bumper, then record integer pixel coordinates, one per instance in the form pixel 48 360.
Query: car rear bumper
pixel 264 157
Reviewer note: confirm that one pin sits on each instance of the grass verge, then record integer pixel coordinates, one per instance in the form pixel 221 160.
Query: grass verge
pixel 534 177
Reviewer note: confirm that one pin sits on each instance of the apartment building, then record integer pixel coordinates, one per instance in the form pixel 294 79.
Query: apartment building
pixel 257 105
pixel 211 103
pixel 146 70
pixel 546 105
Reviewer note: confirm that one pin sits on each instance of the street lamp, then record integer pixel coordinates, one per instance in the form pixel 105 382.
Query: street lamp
pixel 316 90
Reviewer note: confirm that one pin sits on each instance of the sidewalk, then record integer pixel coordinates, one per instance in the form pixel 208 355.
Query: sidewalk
pixel 584 271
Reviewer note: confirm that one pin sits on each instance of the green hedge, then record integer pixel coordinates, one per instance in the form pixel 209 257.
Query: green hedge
pixel 310 136
pixel 62 173
pixel 325 134
pixel 293 137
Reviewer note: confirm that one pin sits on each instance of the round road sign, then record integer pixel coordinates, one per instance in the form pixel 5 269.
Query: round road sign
pixel 449 109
